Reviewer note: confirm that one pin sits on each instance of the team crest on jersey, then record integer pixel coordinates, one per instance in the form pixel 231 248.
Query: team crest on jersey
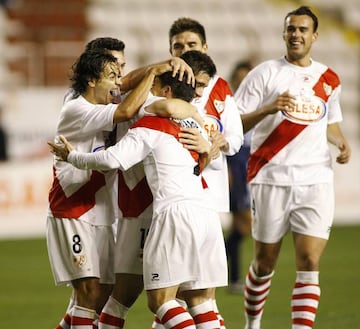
pixel 79 261
pixel 219 105
pixel 211 124
pixel 308 110
pixel 327 89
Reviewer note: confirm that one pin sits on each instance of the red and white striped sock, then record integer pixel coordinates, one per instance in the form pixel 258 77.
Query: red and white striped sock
pixel 305 299
pixel 173 315
pixel 217 312
pixel 204 316
pixel 157 323
pixel 65 322
pixel 82 318
pixel 113 315
pixel 256 291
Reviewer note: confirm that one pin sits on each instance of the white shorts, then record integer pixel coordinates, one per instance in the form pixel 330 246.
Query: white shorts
pixel 78 249
pixel 304 209
pixel 129 247
pixel 185 246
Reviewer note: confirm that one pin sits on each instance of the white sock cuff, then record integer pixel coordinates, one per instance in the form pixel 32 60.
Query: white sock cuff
pixel 307 277
pixel 84 312
pixel 182 303
pixel 201 308
pixel 116 306
pixel 260 278
pixel 165 307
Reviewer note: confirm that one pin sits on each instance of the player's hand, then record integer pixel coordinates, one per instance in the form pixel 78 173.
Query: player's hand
pixel 179 66
pixel 61 150
pixel 218 139
pixel 284 102
pixel 345 152
pixel 192 140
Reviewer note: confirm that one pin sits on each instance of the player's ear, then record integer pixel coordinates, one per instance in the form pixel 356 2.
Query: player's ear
pixel 315 36
pixel 92 83
pixel 167 91
pixel 205 47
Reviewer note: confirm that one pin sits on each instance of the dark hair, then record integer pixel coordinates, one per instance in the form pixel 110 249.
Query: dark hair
pixel 304 10
pixel 180 89
pixel 105 43
pixel 187 24
pixel 199 62
pixel 89 66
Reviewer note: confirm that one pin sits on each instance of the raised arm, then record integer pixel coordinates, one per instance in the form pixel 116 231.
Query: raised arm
pixel 175 108
pixel 174 64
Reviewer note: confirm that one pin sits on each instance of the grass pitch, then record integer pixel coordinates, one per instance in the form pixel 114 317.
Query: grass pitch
pixel 29 299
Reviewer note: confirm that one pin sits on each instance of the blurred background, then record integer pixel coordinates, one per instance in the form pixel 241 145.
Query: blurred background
pixel 40 40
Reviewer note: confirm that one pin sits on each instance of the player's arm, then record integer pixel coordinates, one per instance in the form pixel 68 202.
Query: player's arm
pixel 284 102
pixel 336 137
pixel 174 108
pixel 174 64
pixel 102 160
pixel 132 103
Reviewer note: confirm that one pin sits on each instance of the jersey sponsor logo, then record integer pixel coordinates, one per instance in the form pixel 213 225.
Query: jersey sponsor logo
pixel 212 123
pixel 307 110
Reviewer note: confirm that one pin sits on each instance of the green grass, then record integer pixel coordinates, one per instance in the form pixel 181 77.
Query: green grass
pixel 29 299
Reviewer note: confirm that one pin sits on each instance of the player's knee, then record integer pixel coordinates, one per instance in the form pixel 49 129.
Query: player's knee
pixel 307 262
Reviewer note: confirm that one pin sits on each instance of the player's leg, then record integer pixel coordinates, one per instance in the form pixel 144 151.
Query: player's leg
pixel 311 222
pixel 127 289
pixel 201 308
pixel 92 291
pixel 269 206
pixel 65 322
pixel 306 292
pixel 170 313
pixel 129 284
pixel 258 282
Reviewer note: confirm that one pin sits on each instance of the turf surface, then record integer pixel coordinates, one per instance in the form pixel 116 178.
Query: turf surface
pixel 29 298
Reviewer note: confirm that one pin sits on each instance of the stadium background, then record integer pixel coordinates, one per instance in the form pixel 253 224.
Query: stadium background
pixel 39 41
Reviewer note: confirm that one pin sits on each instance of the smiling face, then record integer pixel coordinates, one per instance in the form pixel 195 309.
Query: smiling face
pixel 299 36
pixel 102 90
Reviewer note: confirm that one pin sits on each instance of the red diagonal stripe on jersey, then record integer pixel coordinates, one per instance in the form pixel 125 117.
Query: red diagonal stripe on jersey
pixel 133 202
pixel 79 202
pixel 328 79
pixel 218 93
pixel 165 125
pixel 284 133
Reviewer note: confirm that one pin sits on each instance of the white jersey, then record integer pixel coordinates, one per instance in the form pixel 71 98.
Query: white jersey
pixel 291 148
pixel 172 171
pixel 220 112
pixel 82 194
pixel 134 197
